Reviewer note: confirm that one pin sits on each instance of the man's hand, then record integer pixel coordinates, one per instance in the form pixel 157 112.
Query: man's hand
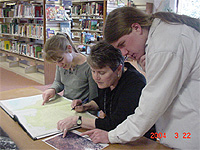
pixel 66 124
pixel 97 135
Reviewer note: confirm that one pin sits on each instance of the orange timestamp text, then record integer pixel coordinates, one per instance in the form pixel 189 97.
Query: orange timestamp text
pixel 185 135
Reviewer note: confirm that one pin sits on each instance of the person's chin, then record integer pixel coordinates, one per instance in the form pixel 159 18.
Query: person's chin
pixel 101 86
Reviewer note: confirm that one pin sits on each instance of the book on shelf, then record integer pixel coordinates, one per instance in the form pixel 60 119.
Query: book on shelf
pixel 84 9
pixel 87 38
pixel 6 12
pixel 28 30
pixel 26 9
pixel 6 45
pixel 66 3
pixel 76 9
pixel 50 12
pixel 38 11
pixel 94 24
pixel 90 8
pixel 4 28
pixel 55 12
pixel 23 49
pixel 40 120
pixel 13 47
pixel 65 27
pixel 29 49
pixel 1 12
pixel 38 51
pixel 50 32
pixel 60 13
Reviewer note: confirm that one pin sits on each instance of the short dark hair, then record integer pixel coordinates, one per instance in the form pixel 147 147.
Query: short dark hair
pixel 103 54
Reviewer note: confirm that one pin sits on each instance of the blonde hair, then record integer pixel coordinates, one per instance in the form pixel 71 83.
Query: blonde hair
pixel 119 21
pixel 56 46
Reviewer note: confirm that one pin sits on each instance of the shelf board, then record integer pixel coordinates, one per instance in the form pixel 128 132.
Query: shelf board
pixel 38 60
pixel 38 77
pixel 85 30
pixel 17 35
pixel 26 17
pixel 86 1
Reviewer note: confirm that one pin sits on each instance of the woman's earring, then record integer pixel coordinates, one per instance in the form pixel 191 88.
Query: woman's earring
pixel 118 75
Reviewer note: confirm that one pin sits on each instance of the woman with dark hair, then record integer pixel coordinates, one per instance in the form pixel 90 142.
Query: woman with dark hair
pixel 120 86
pixel 170 99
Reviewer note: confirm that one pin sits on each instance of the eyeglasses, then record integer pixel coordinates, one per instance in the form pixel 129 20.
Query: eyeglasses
pixel 58 60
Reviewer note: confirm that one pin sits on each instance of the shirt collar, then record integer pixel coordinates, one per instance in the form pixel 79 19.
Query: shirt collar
pixel 153 27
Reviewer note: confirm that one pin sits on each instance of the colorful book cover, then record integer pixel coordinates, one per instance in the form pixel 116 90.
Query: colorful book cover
pixel 67 3
pixel 60 13
pixel 4 28
pixel 7 45
pixel 50 33
pixel 38 11
pixel 94 24
pixel 38 50
pixel 50 12
pixel 100 9
pixel 83 8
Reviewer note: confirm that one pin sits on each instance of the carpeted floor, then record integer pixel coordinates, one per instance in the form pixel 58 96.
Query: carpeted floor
pixel 10 80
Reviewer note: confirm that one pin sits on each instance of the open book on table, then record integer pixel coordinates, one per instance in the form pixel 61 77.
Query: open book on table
pixel 40 120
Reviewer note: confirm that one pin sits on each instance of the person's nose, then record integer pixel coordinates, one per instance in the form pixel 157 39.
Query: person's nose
pixel 124 51
pixel 96 76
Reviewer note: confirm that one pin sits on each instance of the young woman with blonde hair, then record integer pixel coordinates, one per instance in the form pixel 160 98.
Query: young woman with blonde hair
pixel 73 74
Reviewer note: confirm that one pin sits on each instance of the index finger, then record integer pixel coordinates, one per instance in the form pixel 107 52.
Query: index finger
pixel 90 132
pixel 44 100
pixel 64 133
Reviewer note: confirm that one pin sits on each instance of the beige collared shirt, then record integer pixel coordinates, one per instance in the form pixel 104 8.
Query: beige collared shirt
pixel 171 98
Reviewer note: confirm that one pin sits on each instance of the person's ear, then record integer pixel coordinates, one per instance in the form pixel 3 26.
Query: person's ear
pixel 69 48
pixel 136 28
pixel 119 68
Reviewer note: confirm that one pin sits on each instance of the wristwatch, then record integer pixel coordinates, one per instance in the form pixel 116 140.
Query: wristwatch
pixel 79 121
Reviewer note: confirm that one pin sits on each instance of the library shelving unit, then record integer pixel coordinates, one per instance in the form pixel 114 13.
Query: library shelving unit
pixel 88 17
pixel 22 36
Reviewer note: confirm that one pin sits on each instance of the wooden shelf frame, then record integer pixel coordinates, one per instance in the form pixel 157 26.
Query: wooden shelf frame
pixel 44 77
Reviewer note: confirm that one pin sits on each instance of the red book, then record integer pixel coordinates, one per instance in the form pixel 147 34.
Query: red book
pixel 38 10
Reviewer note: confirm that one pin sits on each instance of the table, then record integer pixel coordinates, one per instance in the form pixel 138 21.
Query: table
pixel 23 141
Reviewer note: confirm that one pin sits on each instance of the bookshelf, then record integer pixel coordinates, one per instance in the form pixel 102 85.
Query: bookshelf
pixel 88 17
pixel 23 32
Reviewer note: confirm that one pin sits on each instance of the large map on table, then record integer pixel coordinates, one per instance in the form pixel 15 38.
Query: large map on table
pixel 36 119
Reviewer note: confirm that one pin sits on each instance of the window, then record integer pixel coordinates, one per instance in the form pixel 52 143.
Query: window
pixel 189 8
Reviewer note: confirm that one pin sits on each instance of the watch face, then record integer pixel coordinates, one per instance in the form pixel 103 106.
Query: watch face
pixel 79 122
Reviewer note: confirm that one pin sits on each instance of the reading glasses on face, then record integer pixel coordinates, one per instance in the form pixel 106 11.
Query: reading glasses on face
pixel 58 60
